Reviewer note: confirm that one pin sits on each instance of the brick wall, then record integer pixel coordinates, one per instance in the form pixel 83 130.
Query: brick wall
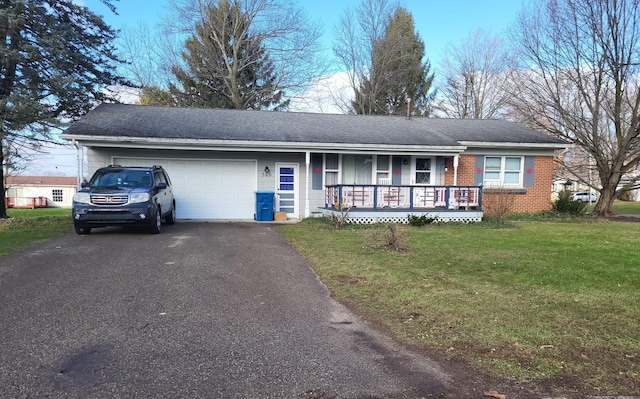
pixel 537 198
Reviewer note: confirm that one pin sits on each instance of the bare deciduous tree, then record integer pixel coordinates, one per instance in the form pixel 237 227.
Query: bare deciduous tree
pixel 474 78
pixel 149 59
pixel 580 81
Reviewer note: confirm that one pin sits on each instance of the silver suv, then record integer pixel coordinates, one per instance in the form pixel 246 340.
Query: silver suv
pixel 125 196
pixel 585 196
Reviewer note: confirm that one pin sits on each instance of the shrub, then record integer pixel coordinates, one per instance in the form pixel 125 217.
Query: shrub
pixel 624 196
pixel 423 220
pixel 497 204
pixel 339 220
pixel 565 205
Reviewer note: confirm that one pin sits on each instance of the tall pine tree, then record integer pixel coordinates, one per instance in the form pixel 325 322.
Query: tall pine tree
pixel 226 65
pixel 55 61
pixel 397 73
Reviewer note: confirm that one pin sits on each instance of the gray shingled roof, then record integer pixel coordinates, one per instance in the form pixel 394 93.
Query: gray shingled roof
pixel 138 121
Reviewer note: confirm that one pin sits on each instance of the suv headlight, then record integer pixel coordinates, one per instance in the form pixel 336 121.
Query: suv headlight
pixel 82 198
pixel 139 197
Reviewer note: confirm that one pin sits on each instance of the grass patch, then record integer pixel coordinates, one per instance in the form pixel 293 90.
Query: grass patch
pixel 541 300
pixel 622 207
pixel 28 226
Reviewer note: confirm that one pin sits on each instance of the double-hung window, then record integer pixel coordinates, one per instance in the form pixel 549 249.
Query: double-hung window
pixel 331 169
pixel 383 169
pixel 503 171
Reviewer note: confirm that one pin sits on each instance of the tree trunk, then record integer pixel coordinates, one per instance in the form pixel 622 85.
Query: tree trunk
pixel 603 206
pixel 3 202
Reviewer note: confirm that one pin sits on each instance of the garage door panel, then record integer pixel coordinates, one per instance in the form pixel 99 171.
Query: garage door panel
pixel 205 189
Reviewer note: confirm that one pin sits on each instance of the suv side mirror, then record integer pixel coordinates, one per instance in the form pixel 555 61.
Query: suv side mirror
pixel 161 186
pixel 84 184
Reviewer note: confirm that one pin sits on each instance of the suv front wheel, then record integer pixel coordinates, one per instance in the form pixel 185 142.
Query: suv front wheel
pixel 82 230
pixel 170 217
pixel 155 227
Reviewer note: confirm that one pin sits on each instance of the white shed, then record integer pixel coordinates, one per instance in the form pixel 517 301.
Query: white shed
pixel 58 190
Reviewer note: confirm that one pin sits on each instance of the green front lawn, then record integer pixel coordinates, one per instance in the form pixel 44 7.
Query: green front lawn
pixel 555 301
pixel 622 207
pixel 27 226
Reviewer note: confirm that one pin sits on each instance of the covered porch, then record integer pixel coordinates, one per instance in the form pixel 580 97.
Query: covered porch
pixel 385 203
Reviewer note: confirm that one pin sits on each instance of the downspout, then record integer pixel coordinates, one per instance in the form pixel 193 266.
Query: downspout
pixel 456 159
pixel 307 210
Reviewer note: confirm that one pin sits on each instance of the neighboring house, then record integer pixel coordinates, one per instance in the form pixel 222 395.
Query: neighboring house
pixel 40 191
pixel 381 167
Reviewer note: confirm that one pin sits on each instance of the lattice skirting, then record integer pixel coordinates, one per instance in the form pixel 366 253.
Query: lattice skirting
pixel 403 217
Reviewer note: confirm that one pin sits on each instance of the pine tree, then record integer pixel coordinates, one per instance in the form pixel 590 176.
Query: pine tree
pixel 397 72
pixel 55 62
pixel 226 65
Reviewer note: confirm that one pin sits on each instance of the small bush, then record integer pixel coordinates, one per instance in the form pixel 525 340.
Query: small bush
pixel 339 220
pixel 497 204
pixel 565 205
pixel 624 196
pixel 389 239
pixel 418 221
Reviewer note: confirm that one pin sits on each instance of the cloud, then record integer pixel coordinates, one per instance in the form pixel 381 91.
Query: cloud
pixel 330 94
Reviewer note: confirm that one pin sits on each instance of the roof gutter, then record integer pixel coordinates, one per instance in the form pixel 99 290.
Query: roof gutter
pixel 258 146
pixel 489 144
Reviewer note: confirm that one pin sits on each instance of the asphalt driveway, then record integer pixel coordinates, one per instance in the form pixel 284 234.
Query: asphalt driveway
pixel 202 310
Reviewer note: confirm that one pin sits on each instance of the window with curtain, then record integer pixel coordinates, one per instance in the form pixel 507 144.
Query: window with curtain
pixel 357 169
pixel 383 169
pixel 503 171
pixel 331 169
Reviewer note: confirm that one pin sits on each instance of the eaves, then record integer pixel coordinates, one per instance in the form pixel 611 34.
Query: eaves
pixel 260 146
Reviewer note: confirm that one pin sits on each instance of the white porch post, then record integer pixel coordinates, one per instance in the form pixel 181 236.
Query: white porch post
pixel 307 210
pixel 456 159
pixel 80 160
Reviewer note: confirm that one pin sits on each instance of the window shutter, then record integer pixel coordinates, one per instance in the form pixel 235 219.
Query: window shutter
pixel 316 171
pixel 528 171
pixel 478 171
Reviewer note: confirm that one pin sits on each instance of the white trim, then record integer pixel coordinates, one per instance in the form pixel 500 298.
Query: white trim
pixel 260 146
pixel 296 186
pixel 500 144
pixel 502 171
pixel 307 206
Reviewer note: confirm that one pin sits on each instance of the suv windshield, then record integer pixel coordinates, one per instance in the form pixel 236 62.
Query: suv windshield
pixel 121 178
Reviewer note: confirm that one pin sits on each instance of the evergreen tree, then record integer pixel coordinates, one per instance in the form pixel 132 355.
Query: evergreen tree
pixel 226 65
pixel 397 72
pixel 55 62
pixel 154 95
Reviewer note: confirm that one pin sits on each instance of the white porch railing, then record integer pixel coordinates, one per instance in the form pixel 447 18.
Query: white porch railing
pixel 386 197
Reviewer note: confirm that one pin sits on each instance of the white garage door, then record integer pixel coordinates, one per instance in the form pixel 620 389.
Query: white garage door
pixel 207 189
